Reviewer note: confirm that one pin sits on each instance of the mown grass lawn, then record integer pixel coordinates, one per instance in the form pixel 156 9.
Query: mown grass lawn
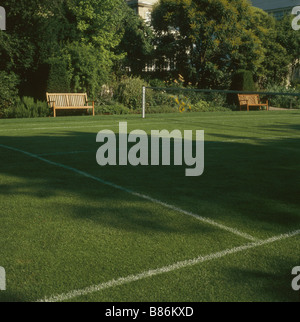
pixel 62 231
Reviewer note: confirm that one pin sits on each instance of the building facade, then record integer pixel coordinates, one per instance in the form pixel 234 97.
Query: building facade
pixel 278 8
pixel 142 7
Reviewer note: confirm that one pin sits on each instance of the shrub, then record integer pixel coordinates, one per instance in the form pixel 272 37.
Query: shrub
pixel 203 106
pixel 26 107
pixel 159 98
pixel 283 101
pixel 129 92
pixel 242 80
pixel 161 109
pixel 116 109
pixel 8 91
pixel 214 99
pixel 157 83
pixel 59 79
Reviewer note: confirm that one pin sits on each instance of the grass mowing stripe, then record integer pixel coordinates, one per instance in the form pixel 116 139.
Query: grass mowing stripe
pixel 166 269
pixel 154 120
pixel 223 141
pixel 64 153
pixel 76 127
pixel 203 219
pixel 156 201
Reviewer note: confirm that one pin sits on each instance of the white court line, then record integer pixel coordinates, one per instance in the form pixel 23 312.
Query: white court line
pixel 133 193
pixel 165 269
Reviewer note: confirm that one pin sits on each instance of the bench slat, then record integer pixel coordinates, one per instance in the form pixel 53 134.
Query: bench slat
pixel 251 100
pixel 69 101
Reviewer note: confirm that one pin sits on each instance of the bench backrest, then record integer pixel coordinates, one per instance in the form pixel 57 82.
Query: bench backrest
pixel 245 99
pixel 67 99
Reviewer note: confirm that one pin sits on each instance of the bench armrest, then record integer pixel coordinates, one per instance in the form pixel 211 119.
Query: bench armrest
pixel 50 102
pixel 87 102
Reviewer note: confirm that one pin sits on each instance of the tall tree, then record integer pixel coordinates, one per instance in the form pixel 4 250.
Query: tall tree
pixel 136 43
pixel 290 40
pixel 208 39
pixel 274 68
pixel 80 35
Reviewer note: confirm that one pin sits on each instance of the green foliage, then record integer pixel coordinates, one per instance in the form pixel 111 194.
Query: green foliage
pixel 136 43
pixel 204 106
pixel 207 39
pixel 283 101
pixel 113 109
pixel 86 42
pixel 98 33
pixel 159 109
pixel 85 33
pixel 242 80
pixel 59 77
pixel 290 40
pixel 161 98
pixel 27 107
pixel 214 99
pixel 8 90
pixel 157 83
pixel 129 92
pixel 274 67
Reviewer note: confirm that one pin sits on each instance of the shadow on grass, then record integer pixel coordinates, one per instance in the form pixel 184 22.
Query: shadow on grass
pixel 241 180
pixel 8 296
pixel 254 188
pixel 270 281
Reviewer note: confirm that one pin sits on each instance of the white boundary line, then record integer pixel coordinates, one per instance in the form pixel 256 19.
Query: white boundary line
pixel 142 196
pixel 165 269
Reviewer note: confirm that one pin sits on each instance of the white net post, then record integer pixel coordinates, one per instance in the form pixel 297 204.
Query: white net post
pixel 144 103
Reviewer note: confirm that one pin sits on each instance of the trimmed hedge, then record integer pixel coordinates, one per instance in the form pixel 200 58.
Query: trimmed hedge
pixel 242 80
pixel 58 79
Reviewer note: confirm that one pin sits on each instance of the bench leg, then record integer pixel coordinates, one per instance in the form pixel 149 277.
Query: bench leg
pixel 54 110
pixel 93 108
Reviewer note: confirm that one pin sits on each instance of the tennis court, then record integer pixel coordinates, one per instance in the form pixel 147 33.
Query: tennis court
pixel 71 230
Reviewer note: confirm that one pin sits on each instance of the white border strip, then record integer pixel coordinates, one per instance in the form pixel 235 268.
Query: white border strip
pixel 165 269
pixel 145 197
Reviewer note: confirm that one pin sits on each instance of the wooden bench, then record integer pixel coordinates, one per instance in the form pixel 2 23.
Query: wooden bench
pixel 251 100
pixel 69 101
